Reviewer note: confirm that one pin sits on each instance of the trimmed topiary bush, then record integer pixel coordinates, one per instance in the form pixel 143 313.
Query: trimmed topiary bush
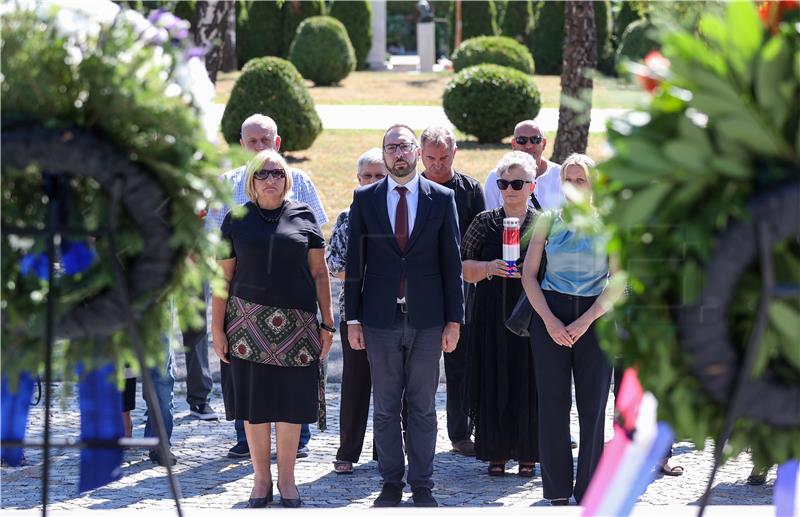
pixel 274 87
pixel 356 16
pixel 488 100
pixel 637 41
pixel 518 20
pixel 259 30
pixel 498 50
pixel 321 51
pixel 294 12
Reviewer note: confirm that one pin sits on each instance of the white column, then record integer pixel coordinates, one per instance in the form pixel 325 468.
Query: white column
pixel 376 59
pixel 426 46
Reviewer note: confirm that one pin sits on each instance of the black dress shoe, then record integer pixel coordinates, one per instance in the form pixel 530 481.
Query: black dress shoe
pixel 291 503
pixel 391 495
pixel 260 502
pixel 155 457
pixel 423 498
pixel 559 502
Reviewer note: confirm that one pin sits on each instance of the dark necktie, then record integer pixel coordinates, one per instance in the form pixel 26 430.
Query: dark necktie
pixel 401 231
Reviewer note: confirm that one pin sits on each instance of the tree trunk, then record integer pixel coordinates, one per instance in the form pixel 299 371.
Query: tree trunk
pixel 209 32
pixel 580 58
pixel 229 60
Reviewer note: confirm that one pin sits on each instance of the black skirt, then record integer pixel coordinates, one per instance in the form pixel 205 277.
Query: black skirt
pixel 261 393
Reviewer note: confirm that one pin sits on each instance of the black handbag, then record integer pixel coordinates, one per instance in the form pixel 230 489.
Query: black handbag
pixel 519 322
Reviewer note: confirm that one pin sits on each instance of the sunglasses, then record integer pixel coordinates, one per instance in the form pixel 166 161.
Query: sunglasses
pixel 370 176
pixel 535 139
pixel 515 184
pixel 263 174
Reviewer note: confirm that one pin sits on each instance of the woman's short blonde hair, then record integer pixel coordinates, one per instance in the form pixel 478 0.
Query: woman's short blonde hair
pixel 256 164
pixel 582 161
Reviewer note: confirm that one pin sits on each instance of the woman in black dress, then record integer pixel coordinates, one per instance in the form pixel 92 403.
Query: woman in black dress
pixel 265 325
pixel 501 383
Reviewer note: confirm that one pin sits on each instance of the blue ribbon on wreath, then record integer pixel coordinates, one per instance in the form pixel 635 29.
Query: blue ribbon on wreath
pixel 101 419
pixel 14 414
pixel 76 257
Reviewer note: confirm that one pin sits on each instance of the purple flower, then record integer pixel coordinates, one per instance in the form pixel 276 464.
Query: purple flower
pixel 191 52
pixel 35 263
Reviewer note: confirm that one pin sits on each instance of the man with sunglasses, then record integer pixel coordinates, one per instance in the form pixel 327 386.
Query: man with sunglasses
pixel 528 138
pixel 438 152
pixel 259 132
pixel 404 305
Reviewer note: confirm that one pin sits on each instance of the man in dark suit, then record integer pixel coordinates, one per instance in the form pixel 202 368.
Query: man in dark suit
pixel 404 303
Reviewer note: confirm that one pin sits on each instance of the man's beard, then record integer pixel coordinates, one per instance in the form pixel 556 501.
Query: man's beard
pixel 402 173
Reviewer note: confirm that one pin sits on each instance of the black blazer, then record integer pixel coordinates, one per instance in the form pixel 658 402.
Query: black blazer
pixel 431 263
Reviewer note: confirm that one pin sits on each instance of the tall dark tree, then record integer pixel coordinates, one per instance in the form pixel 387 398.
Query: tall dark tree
pixel 229 61
pixel 209 32
pixel 579 60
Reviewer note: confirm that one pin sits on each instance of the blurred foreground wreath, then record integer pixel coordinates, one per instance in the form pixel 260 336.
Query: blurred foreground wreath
pixel 714 153
pixel 92 93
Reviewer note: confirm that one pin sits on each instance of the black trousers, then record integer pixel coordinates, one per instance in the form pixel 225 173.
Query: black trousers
pixel 455 371
pixel 555 365
pixel 355 395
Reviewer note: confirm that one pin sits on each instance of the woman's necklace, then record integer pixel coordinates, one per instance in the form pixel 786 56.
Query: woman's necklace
pixel 271 220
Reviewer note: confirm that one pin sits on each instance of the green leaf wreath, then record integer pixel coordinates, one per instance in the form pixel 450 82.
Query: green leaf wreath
pixel 135 84
pixel 722 128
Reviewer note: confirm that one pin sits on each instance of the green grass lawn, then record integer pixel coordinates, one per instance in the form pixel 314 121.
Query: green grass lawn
pixel 411 88
pixel 331 162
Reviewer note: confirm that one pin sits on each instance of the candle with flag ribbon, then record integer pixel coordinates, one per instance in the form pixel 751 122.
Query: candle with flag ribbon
pixel 629 461
pixel 511 241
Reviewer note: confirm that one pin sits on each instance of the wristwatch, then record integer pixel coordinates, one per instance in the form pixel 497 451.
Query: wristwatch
pixel 327 327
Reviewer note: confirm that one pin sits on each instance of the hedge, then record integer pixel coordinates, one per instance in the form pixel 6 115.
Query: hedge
pixel 259 29
pixel 637 40
pixel 518 20
pixel 321 50
pixel 294 12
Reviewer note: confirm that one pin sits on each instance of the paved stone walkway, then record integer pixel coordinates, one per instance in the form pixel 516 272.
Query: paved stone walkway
pixel 209 480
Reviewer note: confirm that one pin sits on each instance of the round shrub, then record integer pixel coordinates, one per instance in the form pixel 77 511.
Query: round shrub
pixel 488 100
pixel 321 50
pixel 637 42
pixel 272 86
pixel 356 16
pixel 496 50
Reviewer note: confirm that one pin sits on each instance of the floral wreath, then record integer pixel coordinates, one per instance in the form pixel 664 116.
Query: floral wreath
pixel 91 93
pixel 715 153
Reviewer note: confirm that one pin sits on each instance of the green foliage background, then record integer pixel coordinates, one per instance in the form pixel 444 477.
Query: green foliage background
pixel 723 127
pixel 356 16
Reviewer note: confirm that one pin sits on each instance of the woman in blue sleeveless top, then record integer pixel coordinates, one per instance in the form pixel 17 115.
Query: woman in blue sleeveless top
pixel 571 297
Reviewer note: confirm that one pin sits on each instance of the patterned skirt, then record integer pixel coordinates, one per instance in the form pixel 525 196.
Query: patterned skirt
pixel 274 337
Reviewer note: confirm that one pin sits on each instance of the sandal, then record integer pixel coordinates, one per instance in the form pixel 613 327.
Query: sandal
pixel 526 470
pixel 669 470
pixel 343 467
pixel 497 468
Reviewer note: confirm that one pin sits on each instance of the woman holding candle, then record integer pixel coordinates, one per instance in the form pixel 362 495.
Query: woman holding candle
pixel 500 381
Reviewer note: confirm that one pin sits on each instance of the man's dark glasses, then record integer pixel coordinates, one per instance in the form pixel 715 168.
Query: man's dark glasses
pixel 535 139
pixel 263 174
pixel 515 184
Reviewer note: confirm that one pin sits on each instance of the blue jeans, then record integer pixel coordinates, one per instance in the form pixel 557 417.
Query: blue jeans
pixel 241 438
pixel 164 381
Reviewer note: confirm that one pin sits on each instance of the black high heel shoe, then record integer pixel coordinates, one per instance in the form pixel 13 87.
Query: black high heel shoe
pixel 291 503
pixel 260 502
